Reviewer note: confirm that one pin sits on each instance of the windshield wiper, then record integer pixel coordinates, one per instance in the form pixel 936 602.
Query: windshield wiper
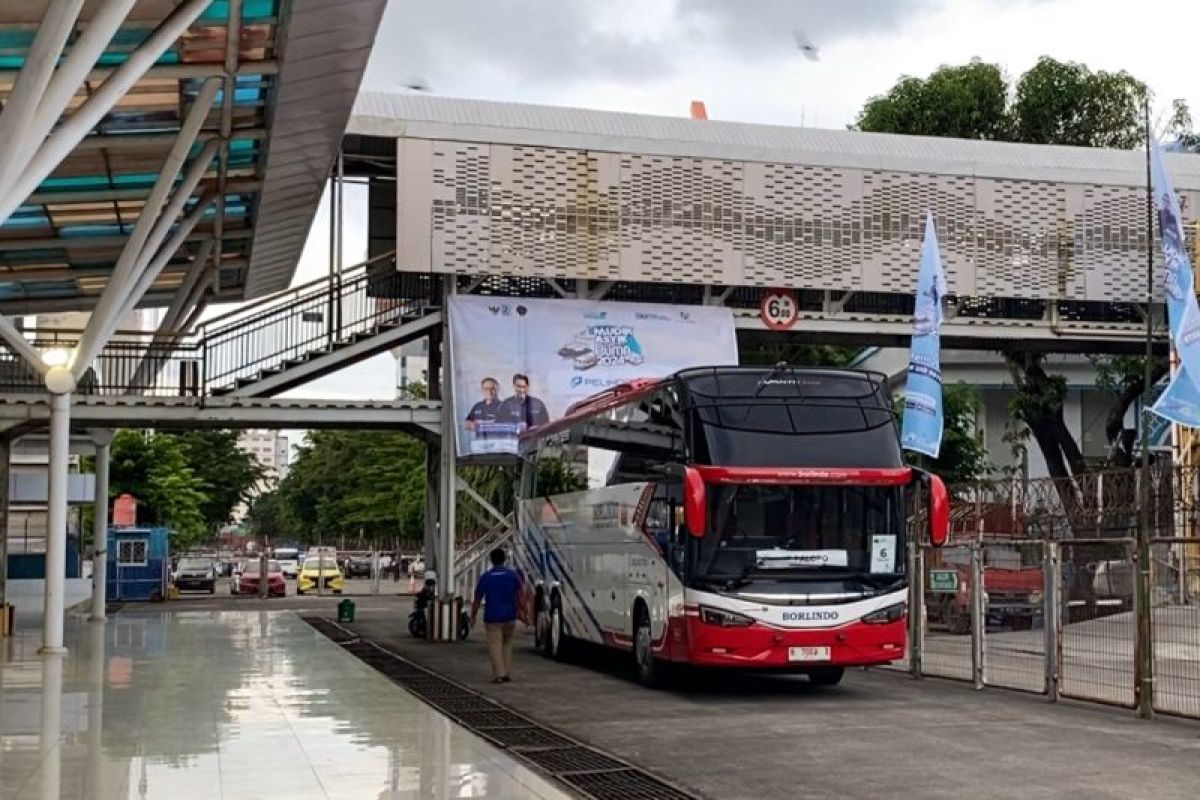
pixel 770 376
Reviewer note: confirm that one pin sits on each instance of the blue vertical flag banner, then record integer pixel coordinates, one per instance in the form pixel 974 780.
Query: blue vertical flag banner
pixel 1181 401
pixel 921 428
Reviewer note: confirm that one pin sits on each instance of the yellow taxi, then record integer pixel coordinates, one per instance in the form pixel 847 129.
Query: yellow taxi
pixel 320 568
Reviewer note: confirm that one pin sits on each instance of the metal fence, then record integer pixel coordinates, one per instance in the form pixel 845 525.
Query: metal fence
pixel 1038 591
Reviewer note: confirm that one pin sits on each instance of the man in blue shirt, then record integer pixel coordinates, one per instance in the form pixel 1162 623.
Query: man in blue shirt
pixel 498 589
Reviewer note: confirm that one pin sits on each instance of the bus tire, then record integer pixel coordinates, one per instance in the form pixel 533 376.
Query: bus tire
pixel 649 671
pixel 826 676
pixel 558 645
pixel 541 626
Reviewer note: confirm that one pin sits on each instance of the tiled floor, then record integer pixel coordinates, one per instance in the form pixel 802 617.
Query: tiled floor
pixel 227 704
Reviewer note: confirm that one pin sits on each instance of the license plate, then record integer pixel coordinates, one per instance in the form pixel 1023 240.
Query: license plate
pixel 808 654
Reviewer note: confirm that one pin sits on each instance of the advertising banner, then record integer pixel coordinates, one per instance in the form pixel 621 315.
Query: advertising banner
pixel 921 426
pixel 520 363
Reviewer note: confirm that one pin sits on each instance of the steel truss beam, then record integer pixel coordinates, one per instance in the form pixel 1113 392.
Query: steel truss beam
pixel 76 127
pixel 233 34
pixel 137 255
pixel 267 66
pixel 21 108
pixel 239 186
pixel 32 411
pixel 17 245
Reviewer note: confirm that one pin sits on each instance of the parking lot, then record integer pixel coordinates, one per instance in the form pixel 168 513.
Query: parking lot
pixel 880 733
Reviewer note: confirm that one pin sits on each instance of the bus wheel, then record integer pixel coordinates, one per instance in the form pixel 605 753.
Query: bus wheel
pixel 648 670
pixel 541 628
pixel 826 676
pixel 557 646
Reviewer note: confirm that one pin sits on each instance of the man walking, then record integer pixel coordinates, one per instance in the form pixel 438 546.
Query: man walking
pixel 498 590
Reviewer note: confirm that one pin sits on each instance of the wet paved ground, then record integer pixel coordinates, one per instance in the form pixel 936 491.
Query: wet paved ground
pixel 877 735
pixel 167 702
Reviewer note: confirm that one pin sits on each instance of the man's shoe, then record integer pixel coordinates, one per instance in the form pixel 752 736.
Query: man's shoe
pixel 506 679
pixel 498 680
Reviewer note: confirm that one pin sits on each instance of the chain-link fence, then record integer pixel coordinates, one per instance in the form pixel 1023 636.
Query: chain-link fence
pixel 1038 589
pixel 1175 636
pixel 1097 624
pixel 1014 641
pixel 949 628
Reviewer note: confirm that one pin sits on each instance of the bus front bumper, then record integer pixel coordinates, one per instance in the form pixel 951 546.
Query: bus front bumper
pixel 758 646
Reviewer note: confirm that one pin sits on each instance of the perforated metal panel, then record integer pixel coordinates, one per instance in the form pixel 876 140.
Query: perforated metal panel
pixel 533 211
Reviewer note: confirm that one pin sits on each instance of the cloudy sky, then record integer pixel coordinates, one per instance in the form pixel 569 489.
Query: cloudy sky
pixel 740 57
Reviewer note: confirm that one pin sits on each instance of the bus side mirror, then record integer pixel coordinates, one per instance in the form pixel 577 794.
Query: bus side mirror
pixel 694 502
pixel 939 512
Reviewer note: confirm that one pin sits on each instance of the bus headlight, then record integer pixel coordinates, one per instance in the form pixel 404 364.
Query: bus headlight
pixel 723 618
pixel 886 614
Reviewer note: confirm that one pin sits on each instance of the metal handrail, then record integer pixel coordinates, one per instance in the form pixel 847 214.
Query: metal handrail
pixel 236 350
pixel 471 558
pixel 265 300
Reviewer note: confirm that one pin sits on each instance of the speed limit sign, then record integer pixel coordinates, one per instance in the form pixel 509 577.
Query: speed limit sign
pixel 779 309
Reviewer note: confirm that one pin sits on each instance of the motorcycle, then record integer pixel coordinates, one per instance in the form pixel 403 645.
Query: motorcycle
pixel 418 620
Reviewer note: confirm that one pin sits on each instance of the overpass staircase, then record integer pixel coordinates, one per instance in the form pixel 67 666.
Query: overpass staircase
pixel 263 348
pixel 293 337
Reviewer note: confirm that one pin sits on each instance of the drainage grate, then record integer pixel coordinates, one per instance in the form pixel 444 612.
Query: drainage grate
pixel 588 771
pixel 331 631
pixel 483 720
pixel 527 738
pixel 629 784
pixel 573 759
pixel 464 705
pixel 432 692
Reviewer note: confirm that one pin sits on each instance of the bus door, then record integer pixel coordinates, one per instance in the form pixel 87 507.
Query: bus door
pixel 649 564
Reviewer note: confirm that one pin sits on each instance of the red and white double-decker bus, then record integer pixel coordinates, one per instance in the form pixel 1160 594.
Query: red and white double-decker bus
pixel 740 517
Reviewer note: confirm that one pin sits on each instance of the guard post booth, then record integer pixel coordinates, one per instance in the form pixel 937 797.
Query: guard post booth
pixel 138 564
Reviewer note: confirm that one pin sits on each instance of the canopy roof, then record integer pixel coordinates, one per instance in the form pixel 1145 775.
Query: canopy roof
pixel 298 65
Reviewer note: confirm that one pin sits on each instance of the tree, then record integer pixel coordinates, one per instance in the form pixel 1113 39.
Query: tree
pixel 1067 103
pixel 154 469
pixel 350 482
pixel 966 102
pixel 265 517
pixel 1053 103
pixel 228 475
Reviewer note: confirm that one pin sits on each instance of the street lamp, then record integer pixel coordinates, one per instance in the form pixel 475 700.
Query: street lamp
pixel 56 356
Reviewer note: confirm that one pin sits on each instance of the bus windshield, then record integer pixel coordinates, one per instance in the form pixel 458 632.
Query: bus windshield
pixel 790 417
pixel 780 534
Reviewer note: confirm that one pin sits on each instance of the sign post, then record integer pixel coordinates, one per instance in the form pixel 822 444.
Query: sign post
pixel 943 581
pixel 779 309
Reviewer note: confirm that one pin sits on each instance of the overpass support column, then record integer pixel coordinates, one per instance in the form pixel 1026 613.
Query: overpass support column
pixel 4 477
pixel 433 458
pixel 60 383
pixel 446 627
pixel 103 440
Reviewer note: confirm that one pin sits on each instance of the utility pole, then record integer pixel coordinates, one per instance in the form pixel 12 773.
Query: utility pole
pixel 1143 647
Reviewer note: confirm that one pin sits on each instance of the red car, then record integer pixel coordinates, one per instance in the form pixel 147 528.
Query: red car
pixel 247 581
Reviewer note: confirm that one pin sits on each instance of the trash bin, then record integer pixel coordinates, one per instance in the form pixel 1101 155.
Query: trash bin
pixel 346 611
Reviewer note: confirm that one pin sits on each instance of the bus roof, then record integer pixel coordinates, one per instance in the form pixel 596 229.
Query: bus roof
pixel 621 394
